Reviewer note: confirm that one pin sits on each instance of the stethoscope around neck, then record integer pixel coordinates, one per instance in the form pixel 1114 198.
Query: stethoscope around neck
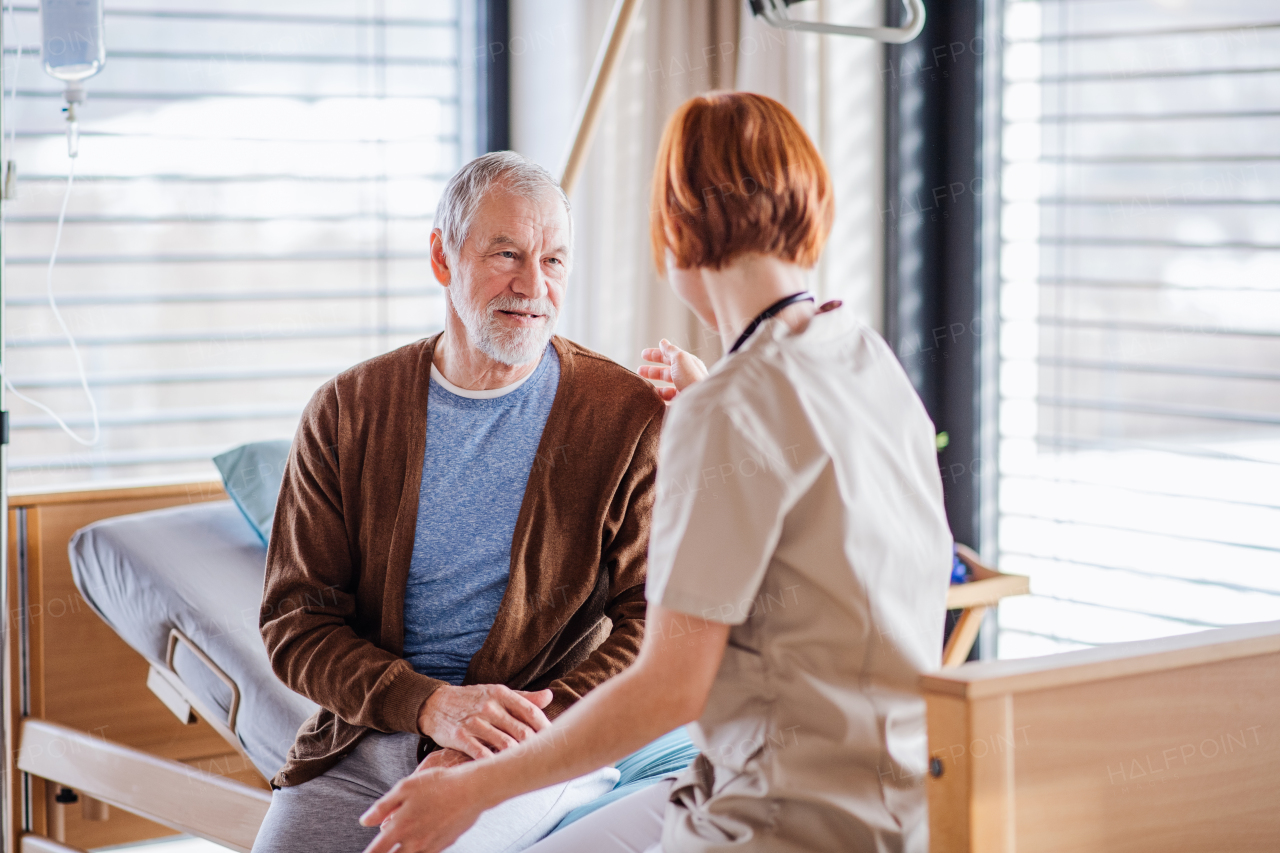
pixel 768 313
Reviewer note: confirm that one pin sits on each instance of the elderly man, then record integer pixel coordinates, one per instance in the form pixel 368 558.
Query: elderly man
pixel 459 546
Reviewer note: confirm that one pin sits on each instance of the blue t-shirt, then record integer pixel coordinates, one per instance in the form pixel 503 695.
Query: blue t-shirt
pixel 474 472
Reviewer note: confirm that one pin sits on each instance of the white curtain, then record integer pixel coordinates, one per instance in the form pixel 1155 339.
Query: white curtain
pixel 617 303
pixel 677 49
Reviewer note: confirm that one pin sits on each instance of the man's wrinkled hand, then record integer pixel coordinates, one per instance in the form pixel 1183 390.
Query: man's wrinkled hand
pixel 481 719
pixel 674 365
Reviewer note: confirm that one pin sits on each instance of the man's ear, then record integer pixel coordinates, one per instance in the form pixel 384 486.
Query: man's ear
pixel 439 260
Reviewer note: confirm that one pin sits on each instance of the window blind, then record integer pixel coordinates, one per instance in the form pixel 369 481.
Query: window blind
pixel 1140 318
pixel 251 214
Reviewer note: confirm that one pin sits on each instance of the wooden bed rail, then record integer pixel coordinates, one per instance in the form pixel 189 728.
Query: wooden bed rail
pixel 973 599
pixel 1160 745
pixel 167 792
pixel 40 844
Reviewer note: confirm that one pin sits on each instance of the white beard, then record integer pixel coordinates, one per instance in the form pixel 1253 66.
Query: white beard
pixel 510 346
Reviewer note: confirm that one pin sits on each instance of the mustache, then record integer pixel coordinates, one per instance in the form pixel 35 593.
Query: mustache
pixel 542 307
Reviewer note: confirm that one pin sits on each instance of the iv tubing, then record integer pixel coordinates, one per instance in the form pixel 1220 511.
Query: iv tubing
pixel 75 351
pixel 53 257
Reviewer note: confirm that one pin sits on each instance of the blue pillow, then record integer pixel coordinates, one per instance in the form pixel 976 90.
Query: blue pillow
pixel 252 474
pixel 646 766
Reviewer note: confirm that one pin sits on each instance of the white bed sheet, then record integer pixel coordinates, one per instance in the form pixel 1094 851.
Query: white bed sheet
pixel 198 568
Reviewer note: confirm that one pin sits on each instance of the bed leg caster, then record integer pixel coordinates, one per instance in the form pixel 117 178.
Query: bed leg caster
pixel 91 809
pixel 58 798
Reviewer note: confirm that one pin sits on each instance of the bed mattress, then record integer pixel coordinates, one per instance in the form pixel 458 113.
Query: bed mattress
pixel 198 568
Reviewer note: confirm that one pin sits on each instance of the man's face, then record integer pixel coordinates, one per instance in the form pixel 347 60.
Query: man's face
pixel 508 282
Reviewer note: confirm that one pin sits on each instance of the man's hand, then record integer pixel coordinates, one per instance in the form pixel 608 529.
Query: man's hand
pixel 667 686
pixel 481 719
pixel 424 813
pixel 678 367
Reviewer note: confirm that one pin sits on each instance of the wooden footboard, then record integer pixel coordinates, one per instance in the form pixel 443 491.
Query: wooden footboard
pixel 1150 747
pixel 64 666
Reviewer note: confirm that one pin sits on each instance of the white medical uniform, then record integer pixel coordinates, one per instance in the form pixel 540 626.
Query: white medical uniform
pixel 799 501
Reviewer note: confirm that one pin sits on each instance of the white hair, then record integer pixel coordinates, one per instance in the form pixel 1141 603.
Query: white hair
pixel 462 195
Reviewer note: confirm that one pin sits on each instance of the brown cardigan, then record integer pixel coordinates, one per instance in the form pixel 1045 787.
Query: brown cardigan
pixel 333 605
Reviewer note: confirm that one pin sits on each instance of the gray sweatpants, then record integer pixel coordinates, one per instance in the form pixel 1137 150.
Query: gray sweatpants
pixel 322 815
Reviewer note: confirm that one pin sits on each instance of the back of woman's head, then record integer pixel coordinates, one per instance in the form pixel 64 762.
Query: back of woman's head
pixel 737 173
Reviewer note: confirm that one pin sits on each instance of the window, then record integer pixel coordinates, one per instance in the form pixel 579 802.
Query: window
pixel 1140 319
pixel 250 215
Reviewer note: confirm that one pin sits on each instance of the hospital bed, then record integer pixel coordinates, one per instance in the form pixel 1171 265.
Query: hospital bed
pixel 144 688
pixel 144 702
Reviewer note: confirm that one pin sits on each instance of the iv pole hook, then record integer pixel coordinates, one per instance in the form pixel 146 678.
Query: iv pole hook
pixel 775 13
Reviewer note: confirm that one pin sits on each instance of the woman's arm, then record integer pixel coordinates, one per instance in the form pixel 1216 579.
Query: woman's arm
pixel 666 687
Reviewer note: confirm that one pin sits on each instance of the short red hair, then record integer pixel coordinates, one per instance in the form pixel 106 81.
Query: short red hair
pixel 737 173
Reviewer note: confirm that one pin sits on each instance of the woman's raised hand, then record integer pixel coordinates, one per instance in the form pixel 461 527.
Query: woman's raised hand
pixel 671 364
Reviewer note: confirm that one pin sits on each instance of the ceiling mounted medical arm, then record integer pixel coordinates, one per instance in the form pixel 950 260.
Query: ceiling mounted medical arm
pixel 775 13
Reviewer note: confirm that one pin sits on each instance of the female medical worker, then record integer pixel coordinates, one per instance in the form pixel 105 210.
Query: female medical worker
pixel 799 559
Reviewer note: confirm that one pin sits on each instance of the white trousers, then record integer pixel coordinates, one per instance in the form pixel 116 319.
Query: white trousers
pixel 630 825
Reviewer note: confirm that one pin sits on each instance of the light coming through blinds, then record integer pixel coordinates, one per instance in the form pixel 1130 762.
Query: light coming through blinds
pixel 251 213
pixel 1140 303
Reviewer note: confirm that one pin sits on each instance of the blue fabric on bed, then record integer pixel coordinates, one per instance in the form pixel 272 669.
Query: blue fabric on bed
pixel 252 474
pixel 648 765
